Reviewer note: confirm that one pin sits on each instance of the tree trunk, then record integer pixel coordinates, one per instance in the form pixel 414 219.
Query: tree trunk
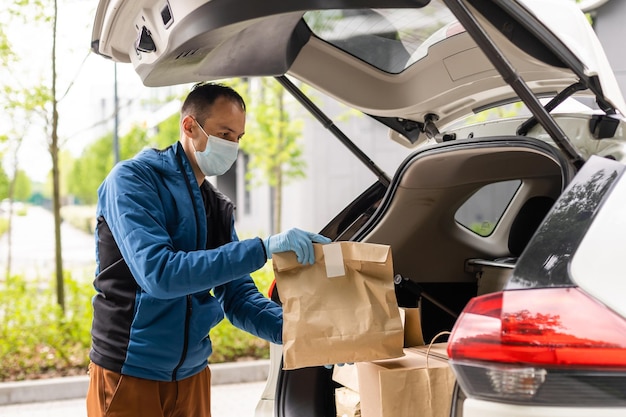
pixel 54 153
pixel 9 232
pixel 10 225
pixel 9 239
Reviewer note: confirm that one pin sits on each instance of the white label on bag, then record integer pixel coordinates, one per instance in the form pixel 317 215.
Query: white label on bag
pixel 334 260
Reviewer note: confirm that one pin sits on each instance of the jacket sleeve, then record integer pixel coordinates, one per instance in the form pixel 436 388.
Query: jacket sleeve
pixel 249 310
pixel 130 202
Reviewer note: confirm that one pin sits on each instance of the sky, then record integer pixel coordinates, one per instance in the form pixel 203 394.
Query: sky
pixel 87 75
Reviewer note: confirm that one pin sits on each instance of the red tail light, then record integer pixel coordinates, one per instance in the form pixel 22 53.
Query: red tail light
pixel 556 327
pixel 528 345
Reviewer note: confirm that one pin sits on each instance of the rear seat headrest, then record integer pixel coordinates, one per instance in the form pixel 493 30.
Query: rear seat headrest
pixel 527 221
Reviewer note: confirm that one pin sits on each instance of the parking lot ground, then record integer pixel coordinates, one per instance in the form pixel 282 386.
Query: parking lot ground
pixel 227 400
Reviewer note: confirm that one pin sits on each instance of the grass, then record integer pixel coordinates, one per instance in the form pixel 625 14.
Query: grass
pixel 36 338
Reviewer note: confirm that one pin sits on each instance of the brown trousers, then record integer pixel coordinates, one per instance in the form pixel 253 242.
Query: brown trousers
pixel 114 395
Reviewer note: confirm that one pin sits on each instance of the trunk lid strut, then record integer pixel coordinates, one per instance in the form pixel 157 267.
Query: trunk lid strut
pixel 383 178
pixel 509 74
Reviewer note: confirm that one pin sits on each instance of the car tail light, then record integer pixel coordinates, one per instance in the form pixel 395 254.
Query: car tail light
pixel 549 346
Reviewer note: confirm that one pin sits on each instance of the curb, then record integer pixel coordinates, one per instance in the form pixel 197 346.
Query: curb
pixel 66 388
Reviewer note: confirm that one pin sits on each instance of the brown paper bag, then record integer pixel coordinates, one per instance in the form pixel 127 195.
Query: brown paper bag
pixel 342 309
pixel 347 403
pixel 414 385
pixel 347 376
pixel 412 323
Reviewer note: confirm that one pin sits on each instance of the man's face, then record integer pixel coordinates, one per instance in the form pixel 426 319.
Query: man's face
pixel 226 121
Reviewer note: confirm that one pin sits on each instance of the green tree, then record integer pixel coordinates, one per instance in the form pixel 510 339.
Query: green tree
pixel 23 186
pixel 44 100
pixel 4 184
pixel 53 148
pixel 91 168
pixel 21 107
pixel 7 57
pixel 168 132
pixel 272 142
pixel 133 142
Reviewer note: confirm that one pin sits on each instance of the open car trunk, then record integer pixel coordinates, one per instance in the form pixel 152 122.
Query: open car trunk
pixel 439 263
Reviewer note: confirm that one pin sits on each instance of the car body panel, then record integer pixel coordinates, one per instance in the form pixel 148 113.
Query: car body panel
pixel 478 408
pixel 597 266
pixel 569 27
pixel 265 406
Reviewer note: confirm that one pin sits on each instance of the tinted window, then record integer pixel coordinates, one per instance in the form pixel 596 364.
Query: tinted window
pixel 389 39
pixel 483 210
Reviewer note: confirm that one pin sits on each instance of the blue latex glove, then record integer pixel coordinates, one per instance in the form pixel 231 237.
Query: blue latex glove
pixel 338 364
pixel 296 240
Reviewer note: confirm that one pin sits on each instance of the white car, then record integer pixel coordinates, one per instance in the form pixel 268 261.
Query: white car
pixel 507 98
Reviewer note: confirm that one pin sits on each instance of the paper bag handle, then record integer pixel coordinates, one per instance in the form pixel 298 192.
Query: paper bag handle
pixel 442 333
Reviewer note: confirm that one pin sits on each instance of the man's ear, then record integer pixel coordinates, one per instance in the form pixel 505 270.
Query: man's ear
pixel 187 124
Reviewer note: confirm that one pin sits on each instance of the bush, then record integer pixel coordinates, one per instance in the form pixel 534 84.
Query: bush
pixel 36 338
pixel 231 344
pixel 38 341
pixel 4 225
pixel 21 210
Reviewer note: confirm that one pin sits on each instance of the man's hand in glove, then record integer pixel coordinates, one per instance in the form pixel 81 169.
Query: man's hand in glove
pixel 296 240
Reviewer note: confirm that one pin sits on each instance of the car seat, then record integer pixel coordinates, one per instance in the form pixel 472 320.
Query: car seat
pixel 492 275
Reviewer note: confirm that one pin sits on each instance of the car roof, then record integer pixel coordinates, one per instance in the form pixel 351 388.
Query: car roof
pixel 409 60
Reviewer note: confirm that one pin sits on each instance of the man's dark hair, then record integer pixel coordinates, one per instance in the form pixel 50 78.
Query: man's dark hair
pixel 203 95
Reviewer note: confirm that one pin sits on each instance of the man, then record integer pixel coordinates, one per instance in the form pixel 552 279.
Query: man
pixel 165 239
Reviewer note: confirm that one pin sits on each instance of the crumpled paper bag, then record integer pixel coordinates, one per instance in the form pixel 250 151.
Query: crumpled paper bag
pixel 342 309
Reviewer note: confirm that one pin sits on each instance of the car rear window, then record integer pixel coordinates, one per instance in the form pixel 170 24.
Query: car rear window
pixel 389 39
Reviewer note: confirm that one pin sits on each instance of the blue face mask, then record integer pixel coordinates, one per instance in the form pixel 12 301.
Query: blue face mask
pixel 218 157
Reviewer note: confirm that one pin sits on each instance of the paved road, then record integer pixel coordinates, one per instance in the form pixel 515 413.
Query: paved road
pixel 32 247
pixel 232 400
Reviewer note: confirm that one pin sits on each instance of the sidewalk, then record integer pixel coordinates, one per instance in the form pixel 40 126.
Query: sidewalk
pixel 229 400
pixel 55 389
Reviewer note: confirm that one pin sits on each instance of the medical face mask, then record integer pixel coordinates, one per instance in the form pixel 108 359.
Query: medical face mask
pixel 218 157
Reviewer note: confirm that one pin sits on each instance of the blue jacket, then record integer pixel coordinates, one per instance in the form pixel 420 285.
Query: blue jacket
pixel 159 289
